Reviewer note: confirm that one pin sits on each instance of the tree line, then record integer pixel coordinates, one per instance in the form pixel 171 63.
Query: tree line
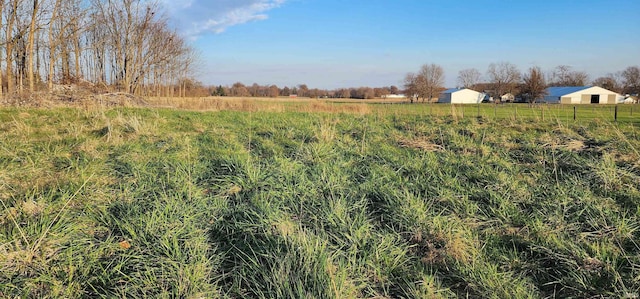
pixel 239 89
pixel 120 45
pixel 500 79
pixel 505 78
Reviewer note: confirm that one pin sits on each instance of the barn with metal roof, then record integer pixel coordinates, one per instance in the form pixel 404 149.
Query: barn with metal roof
pixel 581 95
pixel 460 96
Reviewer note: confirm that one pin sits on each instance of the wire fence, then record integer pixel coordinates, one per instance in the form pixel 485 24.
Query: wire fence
pixel 623 113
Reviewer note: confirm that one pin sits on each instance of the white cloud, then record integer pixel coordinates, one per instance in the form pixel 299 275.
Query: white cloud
pixel 197 17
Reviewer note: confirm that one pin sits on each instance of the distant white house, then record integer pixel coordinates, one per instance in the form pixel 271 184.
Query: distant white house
pixel 629 99
pixel 394 96
pixel 507 97
pixel 582 95
pixel 460 96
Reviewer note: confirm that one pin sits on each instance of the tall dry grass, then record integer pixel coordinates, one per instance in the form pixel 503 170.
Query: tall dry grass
pixel 259 104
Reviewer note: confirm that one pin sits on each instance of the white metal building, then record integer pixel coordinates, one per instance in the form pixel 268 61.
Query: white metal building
pixel 630 100
pixel 394 96
pixel 507 97
pixel 460 96
pixel 582 95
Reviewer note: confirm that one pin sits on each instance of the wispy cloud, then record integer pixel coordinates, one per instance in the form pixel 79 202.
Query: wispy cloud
pixel 197 17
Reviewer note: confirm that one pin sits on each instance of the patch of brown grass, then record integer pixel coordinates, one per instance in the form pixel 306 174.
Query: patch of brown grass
pixel 421 143
pixel 75 99
pixel 328 107
pixel 32 208
pixel 569 143
pixel 216 104
pixel 575 145
pixel 259 104
pixel 437 248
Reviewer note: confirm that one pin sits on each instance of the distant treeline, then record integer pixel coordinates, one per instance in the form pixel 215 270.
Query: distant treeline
pixel 500 79
pixel 302 90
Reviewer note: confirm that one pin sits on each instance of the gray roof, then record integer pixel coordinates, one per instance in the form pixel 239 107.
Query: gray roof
pixel 559 91
pixel 452 90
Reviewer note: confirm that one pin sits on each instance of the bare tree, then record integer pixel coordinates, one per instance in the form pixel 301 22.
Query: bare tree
pixel 31 42
pixel 132 39
pixel 285 91
pixel 254 90
pixel 126 44
pixel 432 81
pixel 61 29
pixel 76 29
pixel 411 86
pixel 611 81
pixel 52 43
pixel 381 92
pixel 128 24
pixel 468 78
pixel 631 80
pixel 314 93
pixel 186 59
pixel 426 84
pixel 303 90
pixel 274 91
pixel 239 90
pixel 1 44
pixel 504 76
pixel 97 39
pixel 534 86
pixel 563 75
pixel 362 93
pixel 344 93
pixel 10 38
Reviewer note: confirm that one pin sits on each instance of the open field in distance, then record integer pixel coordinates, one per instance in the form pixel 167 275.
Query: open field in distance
pixel 539 113
pixel 224 198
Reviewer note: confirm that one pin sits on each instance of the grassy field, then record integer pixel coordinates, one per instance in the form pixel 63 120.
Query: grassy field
pixel 537 113
pixel 250 199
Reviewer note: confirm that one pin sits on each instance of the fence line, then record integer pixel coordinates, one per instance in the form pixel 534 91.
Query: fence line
pixel 544 112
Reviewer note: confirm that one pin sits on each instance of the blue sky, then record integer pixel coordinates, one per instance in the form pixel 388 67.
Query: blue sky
pixel 351 43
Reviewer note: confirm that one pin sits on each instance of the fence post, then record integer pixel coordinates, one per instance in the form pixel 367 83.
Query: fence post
pixel 574 112
pixel 615 115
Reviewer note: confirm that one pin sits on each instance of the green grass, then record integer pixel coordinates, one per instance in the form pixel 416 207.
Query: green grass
pixel 538 113
pixel 404 201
